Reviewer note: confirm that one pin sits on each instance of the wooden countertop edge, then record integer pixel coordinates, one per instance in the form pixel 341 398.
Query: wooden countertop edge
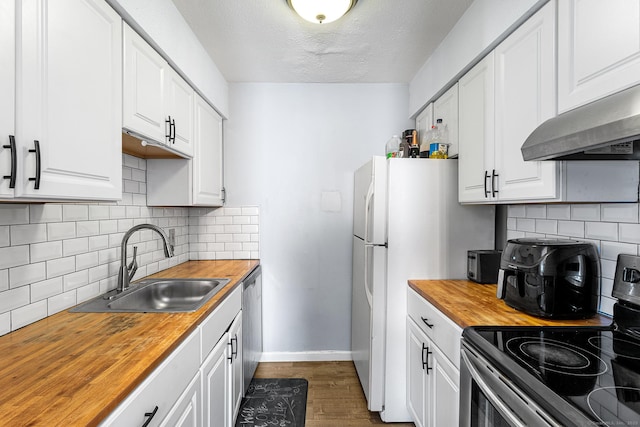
pixel 463 294
pixel 60 371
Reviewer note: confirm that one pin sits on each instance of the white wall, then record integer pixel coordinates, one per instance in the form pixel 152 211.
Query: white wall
pixel 163 23
pixel 475 34
pixel 287 145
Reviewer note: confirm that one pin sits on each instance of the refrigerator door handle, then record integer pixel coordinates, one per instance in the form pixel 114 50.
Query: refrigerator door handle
pixel 367 290
pixel 367 205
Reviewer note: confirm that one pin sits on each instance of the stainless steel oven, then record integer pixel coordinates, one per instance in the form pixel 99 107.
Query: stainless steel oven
pixel 489 399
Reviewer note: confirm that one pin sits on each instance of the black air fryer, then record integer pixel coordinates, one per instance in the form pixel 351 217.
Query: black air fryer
pixel 550 278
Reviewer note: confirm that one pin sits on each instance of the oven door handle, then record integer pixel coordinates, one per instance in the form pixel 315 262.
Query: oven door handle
pixel 489 393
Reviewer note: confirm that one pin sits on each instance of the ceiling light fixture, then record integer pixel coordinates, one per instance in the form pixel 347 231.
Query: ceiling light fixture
pixel 321 11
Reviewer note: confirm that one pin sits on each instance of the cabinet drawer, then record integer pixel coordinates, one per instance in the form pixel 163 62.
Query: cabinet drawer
pixel 439 328
pixel 162 388
pixel 218 322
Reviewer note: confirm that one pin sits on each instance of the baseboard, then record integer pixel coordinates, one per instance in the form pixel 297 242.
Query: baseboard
pixel 305 356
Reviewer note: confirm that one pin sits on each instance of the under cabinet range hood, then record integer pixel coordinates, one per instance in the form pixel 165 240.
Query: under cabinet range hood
pixel 606 129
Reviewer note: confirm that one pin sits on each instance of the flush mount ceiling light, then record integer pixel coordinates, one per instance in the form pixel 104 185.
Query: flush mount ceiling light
pixel 321 11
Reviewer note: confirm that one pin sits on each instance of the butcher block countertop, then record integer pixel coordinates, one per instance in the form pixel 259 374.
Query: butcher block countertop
pixel 73 369
pixel 472 304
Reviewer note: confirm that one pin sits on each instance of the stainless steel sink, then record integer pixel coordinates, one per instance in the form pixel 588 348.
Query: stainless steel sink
pixel 156 296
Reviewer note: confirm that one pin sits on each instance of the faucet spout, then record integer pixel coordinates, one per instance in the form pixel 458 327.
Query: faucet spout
pixel 125 273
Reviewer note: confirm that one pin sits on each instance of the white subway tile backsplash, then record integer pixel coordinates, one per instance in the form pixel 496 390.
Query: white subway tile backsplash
pixel 606 287
pixel 14 214
pixel 61 230
pixel 45 213
pixel 13 256
pixel 559 212
pixel 75 246
pixel 61 302
pixel 98 273
pixel 232 229
pixel 75 280
pixel 87 260
pixel 610 250
pixel 108 226
pixel 85 293
pixel 46 251
pixel 5 323
pixel 619 212
pixel 608 268
pixel 242 220
pixel 87 228
pixel 75 212
pixel 61 266
pixel 98 212
pixel 517 211
pixel 28 314
pixel 536 211
pixel 547 226
pixel 25 234
pixel 27 274
pixel 232 211
pixel 4 280
pixel 224 220
pixel 585 212
pixel 4 236
pixel 45 289
pixel 97 243
pixel 629 233
pixel 14 298
pixel 117 212
pixel 606 305
pixel 601 230
pixel 250 210
pixel 526 224
pixel 571 228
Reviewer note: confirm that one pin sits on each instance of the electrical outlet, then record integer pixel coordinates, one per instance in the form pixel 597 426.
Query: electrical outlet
pixel 172 236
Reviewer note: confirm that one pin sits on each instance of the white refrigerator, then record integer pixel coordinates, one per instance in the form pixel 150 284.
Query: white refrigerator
pixel 407 224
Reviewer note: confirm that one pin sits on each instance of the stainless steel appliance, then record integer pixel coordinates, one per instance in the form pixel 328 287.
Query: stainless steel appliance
pixel 550 277
pixel 251 324
pixel 557 376
pixel 483 265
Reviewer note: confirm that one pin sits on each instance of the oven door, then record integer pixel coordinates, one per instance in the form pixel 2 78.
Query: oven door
pixel 489 399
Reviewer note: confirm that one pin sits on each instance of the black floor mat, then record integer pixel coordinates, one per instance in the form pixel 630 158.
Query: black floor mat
pixel 271 402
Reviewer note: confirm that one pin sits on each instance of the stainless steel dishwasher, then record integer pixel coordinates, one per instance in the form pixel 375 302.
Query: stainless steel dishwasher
pixel 251 324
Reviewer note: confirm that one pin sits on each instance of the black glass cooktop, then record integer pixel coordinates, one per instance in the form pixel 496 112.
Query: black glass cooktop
pixel 578 375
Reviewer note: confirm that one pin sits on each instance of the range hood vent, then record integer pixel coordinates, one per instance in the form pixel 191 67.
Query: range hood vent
pixel 606 129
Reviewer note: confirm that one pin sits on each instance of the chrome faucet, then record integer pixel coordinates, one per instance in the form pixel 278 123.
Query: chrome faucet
pixel 126 272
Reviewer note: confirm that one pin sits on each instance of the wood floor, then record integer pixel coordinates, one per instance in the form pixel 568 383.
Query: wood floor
pixel 334 398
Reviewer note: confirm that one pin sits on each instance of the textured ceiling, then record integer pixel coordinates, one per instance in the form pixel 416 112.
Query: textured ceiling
pixel 264 41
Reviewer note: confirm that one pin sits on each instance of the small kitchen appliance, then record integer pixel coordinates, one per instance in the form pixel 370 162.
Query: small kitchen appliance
pixel 557 376
pixel 550 278
pixel 483 265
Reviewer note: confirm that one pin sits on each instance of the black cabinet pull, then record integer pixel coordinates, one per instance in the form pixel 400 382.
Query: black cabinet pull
pixel 230 356
pixel 36 179
pixel 425 358
pixel 486 190
pixel 426 322
pixel 234 352
pixel 14 163
pixel 172 131
pixel 494 185
pixel 150 416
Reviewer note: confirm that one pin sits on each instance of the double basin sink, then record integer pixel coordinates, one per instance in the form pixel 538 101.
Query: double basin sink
pixel 156 296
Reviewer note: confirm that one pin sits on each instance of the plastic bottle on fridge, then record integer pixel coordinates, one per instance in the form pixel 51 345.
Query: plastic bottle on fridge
pixel 393 146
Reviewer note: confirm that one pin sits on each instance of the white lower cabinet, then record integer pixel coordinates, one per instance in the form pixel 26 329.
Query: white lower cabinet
pixel 199 384
pixel 433 374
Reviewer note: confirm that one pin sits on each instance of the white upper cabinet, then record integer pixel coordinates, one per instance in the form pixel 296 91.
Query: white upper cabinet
pixel 446 108
pixel 191 182
pixel 158 103
pixel 7 100
pixel 476 132
pixel 598 49
pixel 524 98
pixel 68 109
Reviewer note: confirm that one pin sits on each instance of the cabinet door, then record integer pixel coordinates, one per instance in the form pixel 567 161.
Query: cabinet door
pixel 179 110
pixel 235 340
pixel 444 391
pixel 187 412
pixel 446 108
pixel 69 99
pixel 207 159
pixel 416 378
pixel 525 97
pixel 476 132
pixel 598 49
pixel 7 88
pixel 216 380
pixel 144 73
